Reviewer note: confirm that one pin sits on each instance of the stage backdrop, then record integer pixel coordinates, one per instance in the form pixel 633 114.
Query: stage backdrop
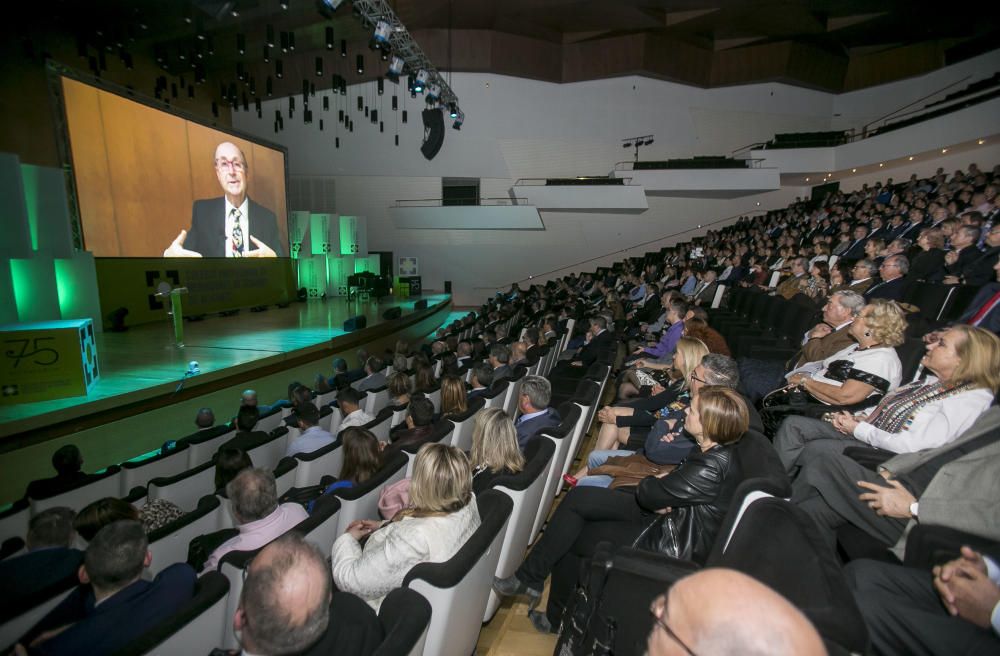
pixel 214 284
pixel 138 170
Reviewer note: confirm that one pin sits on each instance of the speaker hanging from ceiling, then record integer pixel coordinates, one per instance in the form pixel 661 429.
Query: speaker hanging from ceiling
pixel 433 132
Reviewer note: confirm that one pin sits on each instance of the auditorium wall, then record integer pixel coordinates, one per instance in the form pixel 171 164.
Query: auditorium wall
pixel 518 128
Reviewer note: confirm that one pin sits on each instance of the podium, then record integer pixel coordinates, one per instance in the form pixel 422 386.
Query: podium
pixel 47 360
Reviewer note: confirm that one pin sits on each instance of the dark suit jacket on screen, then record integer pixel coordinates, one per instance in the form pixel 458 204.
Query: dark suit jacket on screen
pixel 208 228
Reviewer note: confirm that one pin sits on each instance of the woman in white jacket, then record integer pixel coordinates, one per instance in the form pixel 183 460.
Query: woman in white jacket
pixel 441 517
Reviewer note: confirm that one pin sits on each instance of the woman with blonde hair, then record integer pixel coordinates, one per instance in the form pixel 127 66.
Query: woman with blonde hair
pixel 964 366
pixel 441 517
pixel 494 451
pixel 454 399
pixel 851 379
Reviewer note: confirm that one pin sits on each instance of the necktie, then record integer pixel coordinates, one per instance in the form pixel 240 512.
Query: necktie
pixel 978 317
pixel 237 240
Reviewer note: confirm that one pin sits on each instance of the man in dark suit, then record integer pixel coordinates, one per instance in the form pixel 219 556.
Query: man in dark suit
pixel 499 358
pixel 984 310
pixel 533 402
pixel 114 605
pixel 893 272
pixel 964 252
pixel 68 463
pixel 231 225
pixel 856 250
pixel 419 426
pixel 600 340
pixel 978 270
pixel 375 377
pixel 49 560
pixel 481 379
pixel 246 437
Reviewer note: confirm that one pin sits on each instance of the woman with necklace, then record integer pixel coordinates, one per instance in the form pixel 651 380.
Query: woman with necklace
pixel 964 366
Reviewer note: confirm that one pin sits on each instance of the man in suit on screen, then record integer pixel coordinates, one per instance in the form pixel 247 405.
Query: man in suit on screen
pixel 231 225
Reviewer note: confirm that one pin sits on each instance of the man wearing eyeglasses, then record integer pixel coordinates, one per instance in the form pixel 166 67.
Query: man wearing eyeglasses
pixel 231 225
pixel 893 273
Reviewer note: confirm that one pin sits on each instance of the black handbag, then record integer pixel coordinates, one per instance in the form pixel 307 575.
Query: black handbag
pixel 577 636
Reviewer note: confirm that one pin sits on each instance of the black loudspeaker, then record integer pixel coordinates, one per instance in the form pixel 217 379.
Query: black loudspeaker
pixel 447 286
pixel 420 305
pixel 392 313
pixel 355 323
pixel 433 132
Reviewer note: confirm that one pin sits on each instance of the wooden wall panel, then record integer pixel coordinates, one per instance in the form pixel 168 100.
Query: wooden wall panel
pixel 90 167
pixel 612 57
pixel 890 65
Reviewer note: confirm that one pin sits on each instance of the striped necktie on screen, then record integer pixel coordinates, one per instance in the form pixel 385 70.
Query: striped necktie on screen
pixel 237 240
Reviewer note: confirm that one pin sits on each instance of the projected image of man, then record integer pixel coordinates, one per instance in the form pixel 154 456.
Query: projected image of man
pixel 231 225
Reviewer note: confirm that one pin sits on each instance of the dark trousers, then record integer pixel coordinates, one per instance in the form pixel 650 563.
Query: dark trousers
pixel 586 517
pixel 904 614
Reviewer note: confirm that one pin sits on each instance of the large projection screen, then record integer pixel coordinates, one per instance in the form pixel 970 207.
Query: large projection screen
pixel 138 171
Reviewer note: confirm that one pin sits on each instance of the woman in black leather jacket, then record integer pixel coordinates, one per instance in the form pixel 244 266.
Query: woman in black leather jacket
pixel 695 497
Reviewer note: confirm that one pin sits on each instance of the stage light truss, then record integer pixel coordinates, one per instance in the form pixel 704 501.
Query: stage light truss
pixel 403 45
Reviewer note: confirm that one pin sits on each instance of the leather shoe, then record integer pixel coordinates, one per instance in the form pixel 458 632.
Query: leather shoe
pixel 514 586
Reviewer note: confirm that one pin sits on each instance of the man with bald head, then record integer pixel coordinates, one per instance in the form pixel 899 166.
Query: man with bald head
pixel 287 605
pixel 231 225
pixel 721 611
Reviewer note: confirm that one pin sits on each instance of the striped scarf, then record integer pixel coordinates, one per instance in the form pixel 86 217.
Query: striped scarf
pixel 895 413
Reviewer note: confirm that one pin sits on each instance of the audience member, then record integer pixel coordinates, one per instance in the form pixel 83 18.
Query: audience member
pixel 499 358
pixel 205 418
pixel 253 499
pixel 454 401
pixel 442 517
pixel 399 389
pixel 417 427
pixel 893 273
pixel 717 418
pixel 49 559
pixel 375 377
pixel 424 381
pixel 951 609
pixel 480 380
pixel 533 404
pixel 114 605
pixel 229 461
pixel 747 618
pixel 495 451
pixel 68 463
pixel 246 437
pixel 349 401
pixel 311 436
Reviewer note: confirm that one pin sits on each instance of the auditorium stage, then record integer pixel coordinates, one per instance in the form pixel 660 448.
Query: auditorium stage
pixel 141 368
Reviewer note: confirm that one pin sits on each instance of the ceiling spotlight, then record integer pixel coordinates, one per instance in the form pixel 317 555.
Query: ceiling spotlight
pixel 343 47
pixel 269 36
pixel 241 44
pixel 326 7
pixel 854 170
pixel 452 110
pixel 881 164
pixel 329 38
pixel 421 81
pixel 395 68
pixel 319 67
pixel 382 33
pixel 807 180
pixel 361 64
pixel 981 142
pixel 380 86
pixel 911 158
pixel 283 4
pixel 433 92
pixel 944 150
pixel 278 69
pixel 459 120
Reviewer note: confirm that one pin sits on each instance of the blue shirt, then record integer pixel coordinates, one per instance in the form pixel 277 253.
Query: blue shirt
pixel 688 287
pixel 668 341
pixel 314 438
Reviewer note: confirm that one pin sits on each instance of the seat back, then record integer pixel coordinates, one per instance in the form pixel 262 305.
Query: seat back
pixel 405 616
pixel 435 398
pixel 135 473
pixel 513 391
pixel 267 454
pixel 284 474
pixel 525 491
pixel 193 627
pixel 271 420
pixel 313 466
pixel 186 488
pixel 441 433
pixel 560 436
pixel 458 589
pixel 381 425
pixel 586 407
pixel 204 450
pixel 326 398
pixel 461 435
pixel 778 544
pixel 15 627
pixel 910 352
pixel 399 413
pixel 107 484
pixel 496 396
pixel 14 521
pixel 361 501
pixel 321 526
pixel 169 544
pixel 376 400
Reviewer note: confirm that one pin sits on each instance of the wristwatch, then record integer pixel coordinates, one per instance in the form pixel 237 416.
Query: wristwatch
pixel 914 507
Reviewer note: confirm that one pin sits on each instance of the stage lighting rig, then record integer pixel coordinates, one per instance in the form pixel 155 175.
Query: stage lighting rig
pixel 637 143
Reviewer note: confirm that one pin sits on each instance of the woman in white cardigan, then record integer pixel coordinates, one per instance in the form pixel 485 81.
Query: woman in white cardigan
pixel 441 518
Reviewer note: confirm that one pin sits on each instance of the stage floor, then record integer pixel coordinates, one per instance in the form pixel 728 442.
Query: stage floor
pixel 144 358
